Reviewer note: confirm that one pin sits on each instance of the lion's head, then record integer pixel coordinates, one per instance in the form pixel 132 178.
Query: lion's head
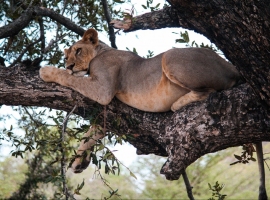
pixel 79 55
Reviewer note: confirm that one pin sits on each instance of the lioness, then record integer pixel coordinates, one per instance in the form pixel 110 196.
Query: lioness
pixel 165 82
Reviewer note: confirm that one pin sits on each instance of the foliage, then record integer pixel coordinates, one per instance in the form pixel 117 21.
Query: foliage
pixel 48 45
pixel 12 174
pixel 216 189
pixel 184 38
pixel 246 156
pixel 149 6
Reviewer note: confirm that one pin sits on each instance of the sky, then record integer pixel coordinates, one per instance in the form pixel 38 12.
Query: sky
pixel 157 41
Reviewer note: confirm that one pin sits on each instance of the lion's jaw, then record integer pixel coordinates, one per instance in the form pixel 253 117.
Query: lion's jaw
pixel 78 57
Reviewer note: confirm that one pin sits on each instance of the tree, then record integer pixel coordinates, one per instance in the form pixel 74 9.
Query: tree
pixel 226 119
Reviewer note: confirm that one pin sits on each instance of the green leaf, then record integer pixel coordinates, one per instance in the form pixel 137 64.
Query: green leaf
pixel 101 146
pixel 238 157
pixel 107 169
pixel 81 186
pixel 133 175
pixel 94 159
pixel 144 6
pixel 180 41
pixel 253 159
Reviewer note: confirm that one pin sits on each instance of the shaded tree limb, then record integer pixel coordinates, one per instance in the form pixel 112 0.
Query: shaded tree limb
pixel 24 51
pixel 63 158
pixel 28 15
pixel 188 186
pixel 260 160
pixel 164 18
pixel 228 118
pixel 109 19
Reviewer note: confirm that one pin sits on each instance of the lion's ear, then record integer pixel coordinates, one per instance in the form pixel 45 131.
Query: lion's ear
pixel 91 35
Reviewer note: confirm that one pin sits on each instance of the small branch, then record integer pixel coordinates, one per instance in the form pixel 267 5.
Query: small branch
pixel 27 16
pixel 262 190
pixel 109 19
pixel 24 51
pixel 17 25
pixel 164 18
pixel 66 120
pixel 105 182
pixel 188 186
pixel 42 35
pixel 63 163
pixel 34 120
pixel 52 43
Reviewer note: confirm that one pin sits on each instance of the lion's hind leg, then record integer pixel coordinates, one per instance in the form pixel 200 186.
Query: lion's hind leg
pixel 82 159
pixel 190 97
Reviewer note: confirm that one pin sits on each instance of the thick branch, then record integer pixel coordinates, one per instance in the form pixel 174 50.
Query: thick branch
pixel 224 120
pixel 229 118
pixel 164 18
pixel 27 16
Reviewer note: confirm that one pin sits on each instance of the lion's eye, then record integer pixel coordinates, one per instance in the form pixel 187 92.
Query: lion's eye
pixel 65 58
pixel 78 51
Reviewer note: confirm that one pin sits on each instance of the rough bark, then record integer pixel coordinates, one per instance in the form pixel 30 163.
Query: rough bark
pixel 229 118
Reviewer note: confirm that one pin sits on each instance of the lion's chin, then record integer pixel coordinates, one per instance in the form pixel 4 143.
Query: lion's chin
pixel 79 73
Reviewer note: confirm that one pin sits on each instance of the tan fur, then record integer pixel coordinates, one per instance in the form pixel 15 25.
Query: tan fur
pixel 165 82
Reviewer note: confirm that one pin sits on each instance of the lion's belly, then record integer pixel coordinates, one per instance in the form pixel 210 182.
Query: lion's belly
pixel 158 99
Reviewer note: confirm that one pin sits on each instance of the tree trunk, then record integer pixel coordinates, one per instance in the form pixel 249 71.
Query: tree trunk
pixel 228 118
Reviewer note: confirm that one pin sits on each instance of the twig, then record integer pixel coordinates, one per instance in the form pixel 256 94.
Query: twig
pixel 63 164
pixel 188 186
pixel 42 37
pixel 106 183
pixel 24 51
pixel 29 14
pixel 104 122
pixel 109 19
pixel 38 123
pixel 54 42
pixel 259 152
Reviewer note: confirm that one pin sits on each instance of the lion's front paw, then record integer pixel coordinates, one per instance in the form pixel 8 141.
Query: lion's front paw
pixel 80 164
pixel 48 73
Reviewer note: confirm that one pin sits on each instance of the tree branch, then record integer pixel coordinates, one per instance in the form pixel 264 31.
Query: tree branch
pixel 24 51
pixel 27 16
pixel 259 152
pixel 228 118
pixel 164 18
pixel 188 186
pixel 109 19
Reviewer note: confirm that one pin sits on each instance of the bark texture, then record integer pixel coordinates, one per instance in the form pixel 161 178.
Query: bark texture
pixel 228 118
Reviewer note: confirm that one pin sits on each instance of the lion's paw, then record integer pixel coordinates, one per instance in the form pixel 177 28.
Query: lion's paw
pixel 48 73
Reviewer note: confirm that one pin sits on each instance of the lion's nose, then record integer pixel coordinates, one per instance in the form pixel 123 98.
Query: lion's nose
pixel 71 66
